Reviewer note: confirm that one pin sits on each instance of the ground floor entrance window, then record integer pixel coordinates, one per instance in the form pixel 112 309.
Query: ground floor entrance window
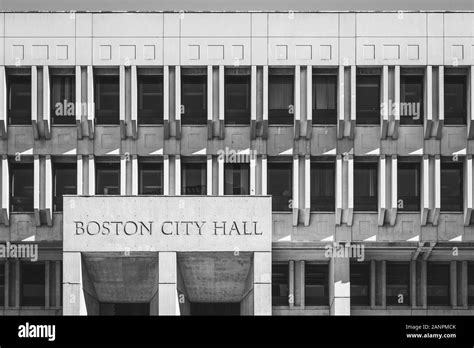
pixel 124 309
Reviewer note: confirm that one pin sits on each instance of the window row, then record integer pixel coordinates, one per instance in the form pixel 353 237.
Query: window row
pixel 397 284
pixel 237 182
pixel 237 96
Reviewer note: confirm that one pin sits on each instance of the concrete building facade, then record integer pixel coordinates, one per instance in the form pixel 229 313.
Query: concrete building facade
pixel 158 126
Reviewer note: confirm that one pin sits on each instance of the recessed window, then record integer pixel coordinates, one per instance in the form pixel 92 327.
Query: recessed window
pixel 194 179
pixel 150 99
pixel 22 187
pixel 408 186
pixel 398 283
pixel 194 99
pixel 316 285
pixel 236 178
pixel 470 283
pixel 365 186
pixel 455 99
pixel 63 99
pixel 2 284
pixel 280 98
pixel 107 99
pixel 237 98
pixel 107 178
pixel 280 185
pixel 368 99
pixel 65 183
pixel 150 178
pixel 438 279
pixel 32 284
pixel 360 284
pixel 451 186
pixel 324 99
pixel 322 186
pixel 19 99
pixel 411 99
pixel 280 288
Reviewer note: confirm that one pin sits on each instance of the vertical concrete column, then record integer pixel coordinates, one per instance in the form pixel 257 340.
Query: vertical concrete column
pixel 423 298
pixel 383 283
pixel 167 284
pixel 166 175
pixel 382 191
pixel 123 175
pixel 264 175
pixel 453 286
pixel 48 197
pixel 253 102
pixel 463 284
pixel 339 286
pixel 413 287
pixel 134 190
pixel 437 189
pixel 220 176
pixel 307 189
pixel 440 101
pixel 428 123
pixel 178 106
pixel 78 104
pixel 90 101
pixel 297 102
pixel 177 175
pixel 296 189
pixel 134 101
pixel 394 191
pixel 470 123
pixel 221 101
pixel 47 283
pixel 299 284
pixel 5 207
pixel 353 101
pixel 425 189
pixel 373 284
pixel 209 101
pixel 262 283
pixel 291 283
pixel 91 179
pixel 37 189
pixel 209 175
pixel 338 215
pixel 385 103
pixel 265 102
pixel 46 103
pixel 166 102
pixel 79 297
pixel 80 175
pixel 17 284
pixel 309 101
pixel 350 189
pixel 253 173
pixel 3 103
pixel 340 102
pixel 468 190
pixel 34 101
pixel 396 111
pixel 122 101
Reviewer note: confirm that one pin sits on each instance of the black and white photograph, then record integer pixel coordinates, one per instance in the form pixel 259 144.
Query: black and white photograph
pixel 185 165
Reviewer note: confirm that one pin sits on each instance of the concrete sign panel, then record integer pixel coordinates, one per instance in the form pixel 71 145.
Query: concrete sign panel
pixel 180 223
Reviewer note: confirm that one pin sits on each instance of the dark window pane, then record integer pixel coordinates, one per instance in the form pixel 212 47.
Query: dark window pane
pixel 280 290
pixel 316 285
pixel 455 101
pixel 150 99
pixel 236 178
pixel 32 284
pixel 22 187
pixel 194 179
pixel 194 99
pixel 408 186
pixel 150 176
pixel 368 99
pixel 365 191
pixel 107 99
pixel 280 99
pixel 237 99
pixel 65 183
pixel 398 283
pixel 360 284
pixel 63 99
pixel 438 279
pixel 19 99
pixel 470 283
pixel 129 309
pixel 108 178
pixel 324 99
pixel 411 99
pixel 280 185
pixel 322 186
pixel 451 187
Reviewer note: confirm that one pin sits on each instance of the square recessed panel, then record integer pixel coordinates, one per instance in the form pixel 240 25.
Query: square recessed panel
pixel 18 52
pixel 39 52
pixel 457 51
pixel 369 52
pixel 149 52
pixel 105 52
pixel 391 52
pixel 128 52
pixel 194 52
pixel 237 52
pixel 215 52
pixel 325 52
pixel 61 52
pixel 303 52
pixel 413 52
pixel 281 52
